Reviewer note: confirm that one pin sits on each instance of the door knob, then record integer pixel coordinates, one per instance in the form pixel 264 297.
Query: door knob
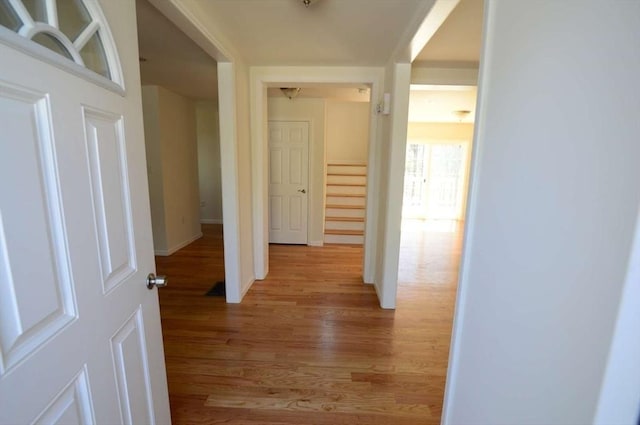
pixel 159 281
pixel 302 191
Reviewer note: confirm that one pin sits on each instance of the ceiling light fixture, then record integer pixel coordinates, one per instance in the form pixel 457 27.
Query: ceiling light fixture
pixel 290 92
pixel 461 114
pixel 308 3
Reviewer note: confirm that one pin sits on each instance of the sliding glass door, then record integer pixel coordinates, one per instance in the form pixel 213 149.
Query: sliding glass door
pixel 435 177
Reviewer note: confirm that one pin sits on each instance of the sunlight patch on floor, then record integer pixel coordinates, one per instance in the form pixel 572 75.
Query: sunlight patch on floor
pixel 430 252
pixel 440 226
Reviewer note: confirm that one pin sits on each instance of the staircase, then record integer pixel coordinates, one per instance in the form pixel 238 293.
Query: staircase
pixel 344 211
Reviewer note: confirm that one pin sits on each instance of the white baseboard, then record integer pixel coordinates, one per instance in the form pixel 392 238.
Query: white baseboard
pixel 210 221
pixel 379 294
pixel 244 288
pixel 247 285
pixel 375 286
pixel 315 243
pixel 169 251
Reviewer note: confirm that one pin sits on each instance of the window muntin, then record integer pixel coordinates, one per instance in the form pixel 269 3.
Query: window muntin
pixel 74 29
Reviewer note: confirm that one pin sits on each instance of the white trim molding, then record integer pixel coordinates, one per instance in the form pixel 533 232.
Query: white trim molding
pixel 177 247
pixel 210 221
pixel 260 79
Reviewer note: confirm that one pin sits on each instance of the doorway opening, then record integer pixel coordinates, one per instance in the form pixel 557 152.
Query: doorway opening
pixel 317 164
pixel 438 152
pixel 182 138
pixel 437 166
pixel 435 180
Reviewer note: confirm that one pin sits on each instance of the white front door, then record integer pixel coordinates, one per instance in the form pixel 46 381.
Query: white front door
pixel 80 336
pixel 288 181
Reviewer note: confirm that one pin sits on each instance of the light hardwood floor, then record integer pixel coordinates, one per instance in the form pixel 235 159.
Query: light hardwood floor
pixel 310 345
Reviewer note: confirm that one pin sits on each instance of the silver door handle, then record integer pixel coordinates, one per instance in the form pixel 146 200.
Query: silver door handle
pixel 302 191
pixel 159 281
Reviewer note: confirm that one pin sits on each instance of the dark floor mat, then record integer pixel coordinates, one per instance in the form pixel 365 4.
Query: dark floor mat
pixel 218 290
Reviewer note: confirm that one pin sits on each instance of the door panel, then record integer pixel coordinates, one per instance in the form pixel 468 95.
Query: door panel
pixel 295 166
pixel 72 405
pixel 26 322
pixel 275 212
pixel 275 167
pixel 288 181
pixel 295 213
pixel 131 369
pixel 111 202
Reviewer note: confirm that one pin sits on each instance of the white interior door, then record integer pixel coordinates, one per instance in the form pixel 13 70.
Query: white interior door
pixel 80 337
pixel 288 181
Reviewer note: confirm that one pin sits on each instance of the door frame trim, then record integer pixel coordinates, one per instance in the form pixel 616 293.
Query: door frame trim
pixel 260 79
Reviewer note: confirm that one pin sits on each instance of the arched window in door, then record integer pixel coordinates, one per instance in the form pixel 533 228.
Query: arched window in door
pixel 73 29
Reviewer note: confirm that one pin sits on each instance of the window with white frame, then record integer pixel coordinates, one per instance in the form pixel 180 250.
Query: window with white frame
pixel 74 29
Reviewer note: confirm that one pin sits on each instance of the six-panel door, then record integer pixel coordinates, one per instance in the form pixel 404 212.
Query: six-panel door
pixel 80 337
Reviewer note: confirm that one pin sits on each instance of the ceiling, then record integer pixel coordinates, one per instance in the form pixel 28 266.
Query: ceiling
pixel 440 103
pixel 455 44
pixel 459 37
pixel 329 32
pixel 172 59
pixel 433 104
pixel 328 91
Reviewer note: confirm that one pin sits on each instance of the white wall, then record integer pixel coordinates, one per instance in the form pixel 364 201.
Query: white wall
pixel 229 175
pixel 391 162
pixel 620 392
pixel 347 131
pixel 447 76
pixel 154 164
pixel 245 189
pixel 170 133
pixel 433 132
pixel 179 169
pixel 313 111
pixel 554 201
pixel 209 162
pixel 235 147
pixel 236 175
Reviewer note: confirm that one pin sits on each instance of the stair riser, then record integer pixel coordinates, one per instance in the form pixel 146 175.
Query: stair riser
pixel 343 225
pixel 353 190
pixel 339 200
pixel 344 239
pixel 335 212
pixel 343 169
pixel 347 179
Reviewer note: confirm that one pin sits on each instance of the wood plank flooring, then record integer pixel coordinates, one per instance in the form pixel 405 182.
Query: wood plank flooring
pixel 310 344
